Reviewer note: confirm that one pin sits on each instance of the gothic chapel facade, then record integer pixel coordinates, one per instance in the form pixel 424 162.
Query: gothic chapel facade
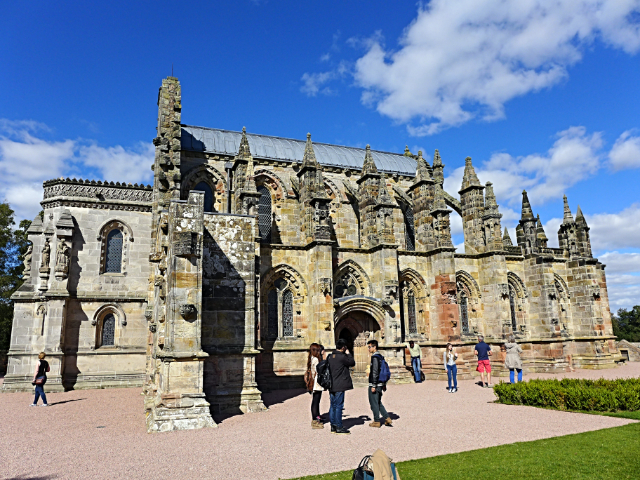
pixel 207 288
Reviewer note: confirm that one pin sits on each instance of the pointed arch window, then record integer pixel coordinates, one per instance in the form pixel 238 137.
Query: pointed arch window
pixel 409 233
pixel 264 214
pixel 208 196
pixel 411 307
pixel 464 312
pixel 287 314
pixel 512 305
pixel 113 263
pixel 108 330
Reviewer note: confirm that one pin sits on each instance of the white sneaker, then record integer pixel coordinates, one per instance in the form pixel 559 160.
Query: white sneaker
pixel 451 390
pixel 44 405
pixel 455 390
pixel 33 405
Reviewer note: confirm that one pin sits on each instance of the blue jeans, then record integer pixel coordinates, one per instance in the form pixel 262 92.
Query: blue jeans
pixel 40 393
pixel 511 375
pixel 416 364
pixel 452 372
pixel 337 405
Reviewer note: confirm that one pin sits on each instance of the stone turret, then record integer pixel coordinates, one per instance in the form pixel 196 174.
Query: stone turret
pixel 526 229
pixel 313 197
pixel 368 191
pixel 472 202
pixel 567 233
pixel 541 236
pixel 438 168
pixel 584 241
pixel 246 193
pixel 441 222
pixel 491 220
pixel 422 193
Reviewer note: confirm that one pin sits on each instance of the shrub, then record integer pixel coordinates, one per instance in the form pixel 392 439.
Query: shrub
pixel 573 394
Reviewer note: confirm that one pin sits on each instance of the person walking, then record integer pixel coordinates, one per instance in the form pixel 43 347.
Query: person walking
pixel 339 363
pixel 449 358
pixel 316 355
pixel 483 351
pixel 513 360
pixel 39 379
pixel 376 387
pixel 416 360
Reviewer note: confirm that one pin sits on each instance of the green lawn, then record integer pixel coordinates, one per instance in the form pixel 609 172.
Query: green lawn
pixel 612 453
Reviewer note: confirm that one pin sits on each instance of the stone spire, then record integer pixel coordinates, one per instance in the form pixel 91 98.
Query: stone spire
pixel 384 198
pixel 422 170
pixel 527 213
pixel 490 204
pixel 244 151
pixel 506 239
pixel 438 167
pixel 568 218
pixel 407 152
pixel 469 179
pixel 542 237
pixel 580 220
pixel 369 165
pixel 309 158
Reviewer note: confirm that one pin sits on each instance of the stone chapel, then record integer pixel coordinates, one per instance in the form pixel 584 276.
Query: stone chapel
pixel 207 288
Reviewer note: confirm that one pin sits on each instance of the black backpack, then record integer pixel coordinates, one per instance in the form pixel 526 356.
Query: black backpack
pixel 324 375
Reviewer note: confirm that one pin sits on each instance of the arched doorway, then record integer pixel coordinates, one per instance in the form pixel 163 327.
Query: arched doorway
pixel 357 328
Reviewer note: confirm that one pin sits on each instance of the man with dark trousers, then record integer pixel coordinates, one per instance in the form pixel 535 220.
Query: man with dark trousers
pixel 376 387
pixel 339 363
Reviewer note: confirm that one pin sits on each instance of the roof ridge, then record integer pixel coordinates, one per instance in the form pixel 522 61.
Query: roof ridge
pixel 291 139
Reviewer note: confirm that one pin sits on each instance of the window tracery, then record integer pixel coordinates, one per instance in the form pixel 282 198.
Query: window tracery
pixel 114 235
pixel 264 214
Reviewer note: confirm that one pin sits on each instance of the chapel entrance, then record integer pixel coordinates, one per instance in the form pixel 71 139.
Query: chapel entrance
pixel 357 328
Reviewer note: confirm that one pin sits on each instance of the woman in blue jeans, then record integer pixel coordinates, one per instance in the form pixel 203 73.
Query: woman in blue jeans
pixel 449 358
pixel 39 379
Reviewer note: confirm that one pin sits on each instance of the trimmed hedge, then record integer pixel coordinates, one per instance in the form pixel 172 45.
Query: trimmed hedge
pixel 573 394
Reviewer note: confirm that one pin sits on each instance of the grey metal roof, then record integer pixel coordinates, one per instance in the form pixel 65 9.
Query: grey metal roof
pixel 226 142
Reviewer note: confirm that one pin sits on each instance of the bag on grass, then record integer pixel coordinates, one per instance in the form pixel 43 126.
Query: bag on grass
pixel 324 375
pixel 364 470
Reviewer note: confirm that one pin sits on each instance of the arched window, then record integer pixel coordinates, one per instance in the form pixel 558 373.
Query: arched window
pixel 264 214
pixel 464 312
pixel 113 262
pixel 411 306
pixel 409 234
pixel 208 196
pixel 512 304
pixel 108 330
pixel 272 314
pixel 287 314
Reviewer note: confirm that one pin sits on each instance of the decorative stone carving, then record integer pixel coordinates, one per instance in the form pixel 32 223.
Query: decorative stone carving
pixel 46 257
pixel 188 310
pixel 325 285
pixel 62 260
pixel 391 290
pixel 503 290
pixel 100 190
pixel 152 328
pixel 27 262
pixel 148 314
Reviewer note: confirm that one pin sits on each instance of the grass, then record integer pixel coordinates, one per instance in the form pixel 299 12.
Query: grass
pixel 611 453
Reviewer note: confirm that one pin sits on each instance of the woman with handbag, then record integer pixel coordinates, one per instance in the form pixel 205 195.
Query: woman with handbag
pixel 316 355
pixel 39 379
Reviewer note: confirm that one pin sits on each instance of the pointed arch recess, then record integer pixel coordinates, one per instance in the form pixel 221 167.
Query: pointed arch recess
pixel 339 196
pixel 467 280
pixel 562 284
pixel 274 182
pixel 518 284
pixel 350 267
pixel 290 274
pixel 416 280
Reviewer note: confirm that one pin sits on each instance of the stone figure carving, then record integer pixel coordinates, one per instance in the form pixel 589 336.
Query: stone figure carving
pixel 46 257
pixel 27 262
pixel 62 260
pixel 187 310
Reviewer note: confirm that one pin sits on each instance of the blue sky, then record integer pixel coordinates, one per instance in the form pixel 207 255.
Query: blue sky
pixel 542 96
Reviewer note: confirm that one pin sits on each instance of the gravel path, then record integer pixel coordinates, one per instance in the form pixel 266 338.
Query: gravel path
pixel 100 433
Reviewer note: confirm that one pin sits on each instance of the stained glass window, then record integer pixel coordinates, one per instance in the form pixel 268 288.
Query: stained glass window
pixel 512 304
pixel 108 330
pixel 409 234
pixel 272 314
pixel 264 214
pixel 208 195
pixel 411 306
pixel 113 263
pixel 287 314
pixel 464 312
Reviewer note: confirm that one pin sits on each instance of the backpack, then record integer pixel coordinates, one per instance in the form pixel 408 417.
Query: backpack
pixel 385 373
pixel 324 375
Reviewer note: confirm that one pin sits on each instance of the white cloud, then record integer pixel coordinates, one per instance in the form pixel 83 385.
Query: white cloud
pixel 574 156
pixel 465 59
pixel 27 160
pixel 625 153
pixel 314 83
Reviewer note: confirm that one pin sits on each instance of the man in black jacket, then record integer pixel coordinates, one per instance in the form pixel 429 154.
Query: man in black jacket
pixel 339 362
pixel 376 387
